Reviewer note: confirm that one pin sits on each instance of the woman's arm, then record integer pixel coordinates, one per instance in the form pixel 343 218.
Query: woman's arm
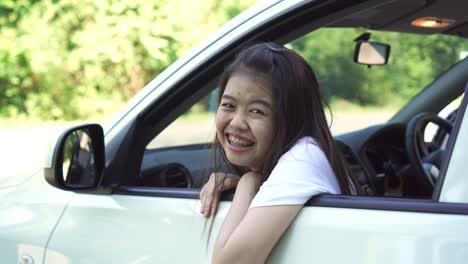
pixel 248 235
pixel 211 191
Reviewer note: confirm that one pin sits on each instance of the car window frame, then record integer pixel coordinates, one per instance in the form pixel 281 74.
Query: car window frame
pixel 340 201
pixel 451 145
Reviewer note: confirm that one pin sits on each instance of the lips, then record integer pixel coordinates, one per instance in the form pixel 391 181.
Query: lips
pixel 238 141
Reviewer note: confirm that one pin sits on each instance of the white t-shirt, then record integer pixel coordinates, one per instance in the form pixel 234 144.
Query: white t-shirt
pixel 302 172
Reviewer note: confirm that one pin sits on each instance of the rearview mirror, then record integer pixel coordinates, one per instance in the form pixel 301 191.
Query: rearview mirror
pixel 78 158
pixel 371 53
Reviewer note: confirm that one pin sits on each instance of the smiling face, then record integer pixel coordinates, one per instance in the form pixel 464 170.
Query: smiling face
pixel 244 122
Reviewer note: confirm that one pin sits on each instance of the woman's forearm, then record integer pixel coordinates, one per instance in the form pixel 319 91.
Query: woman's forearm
pixel 245 192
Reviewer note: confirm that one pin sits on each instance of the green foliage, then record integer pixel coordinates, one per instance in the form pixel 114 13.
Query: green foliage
pixel 56 54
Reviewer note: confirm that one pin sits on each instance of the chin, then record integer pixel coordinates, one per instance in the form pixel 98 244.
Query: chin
pixel 238 162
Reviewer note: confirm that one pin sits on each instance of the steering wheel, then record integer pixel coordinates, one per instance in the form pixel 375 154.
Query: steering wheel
pixel 426 158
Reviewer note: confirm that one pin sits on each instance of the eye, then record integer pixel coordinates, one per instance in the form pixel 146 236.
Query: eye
pixel 227 105
pixel 257 111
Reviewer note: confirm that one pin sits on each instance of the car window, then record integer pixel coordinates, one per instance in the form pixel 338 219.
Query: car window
pixel 195 126
pixel 359 96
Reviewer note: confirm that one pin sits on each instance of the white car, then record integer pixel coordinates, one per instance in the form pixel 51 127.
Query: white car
pixel 113 197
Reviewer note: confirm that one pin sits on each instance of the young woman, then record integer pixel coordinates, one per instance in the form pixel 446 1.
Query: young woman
pixel 271 129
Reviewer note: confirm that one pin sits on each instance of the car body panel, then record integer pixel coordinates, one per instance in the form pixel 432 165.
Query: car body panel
pixel 28 215
pixel 11 179
pixel 168 230
pixel 156 230
pixel 337 235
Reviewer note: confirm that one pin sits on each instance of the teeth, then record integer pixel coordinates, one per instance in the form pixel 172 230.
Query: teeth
pixel 239 142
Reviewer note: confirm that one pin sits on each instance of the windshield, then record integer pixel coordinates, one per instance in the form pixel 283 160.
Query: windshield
pixel 361 96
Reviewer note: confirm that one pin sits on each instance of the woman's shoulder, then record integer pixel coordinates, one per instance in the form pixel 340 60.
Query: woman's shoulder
pixel 302 172
pixel 305 149
pixel 306 140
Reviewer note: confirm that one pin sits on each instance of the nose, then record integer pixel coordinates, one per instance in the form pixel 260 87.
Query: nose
pixel 239 121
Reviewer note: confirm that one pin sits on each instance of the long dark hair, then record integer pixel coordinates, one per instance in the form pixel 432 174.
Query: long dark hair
pixel 298 107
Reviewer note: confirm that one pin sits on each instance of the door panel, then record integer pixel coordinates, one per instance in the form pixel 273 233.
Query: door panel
pixel 128 229
pixel 139 229
pixel 336 235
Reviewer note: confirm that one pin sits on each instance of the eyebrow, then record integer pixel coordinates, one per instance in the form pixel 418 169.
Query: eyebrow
pixel 255 101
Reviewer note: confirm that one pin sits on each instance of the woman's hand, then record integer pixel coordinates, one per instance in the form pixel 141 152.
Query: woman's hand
pixel 211 191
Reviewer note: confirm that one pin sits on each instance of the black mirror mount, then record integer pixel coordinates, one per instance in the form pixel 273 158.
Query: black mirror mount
pixel 370 53
pixel 78 159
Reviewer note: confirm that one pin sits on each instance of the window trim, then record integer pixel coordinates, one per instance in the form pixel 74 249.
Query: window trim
pixel 323 200
pixel 450 146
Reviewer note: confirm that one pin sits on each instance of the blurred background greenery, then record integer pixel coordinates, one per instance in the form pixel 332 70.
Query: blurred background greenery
pixel 70 59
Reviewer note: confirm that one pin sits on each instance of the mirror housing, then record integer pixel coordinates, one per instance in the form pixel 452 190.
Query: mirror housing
pixel 371 53
pixel 78 158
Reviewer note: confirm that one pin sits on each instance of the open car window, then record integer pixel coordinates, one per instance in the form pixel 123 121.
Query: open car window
pixel 195 126
pixel 359 97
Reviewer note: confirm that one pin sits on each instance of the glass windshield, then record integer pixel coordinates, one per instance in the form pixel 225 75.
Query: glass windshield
pixel 361 96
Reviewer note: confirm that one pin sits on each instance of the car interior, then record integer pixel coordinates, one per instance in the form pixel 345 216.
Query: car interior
pixel 390 159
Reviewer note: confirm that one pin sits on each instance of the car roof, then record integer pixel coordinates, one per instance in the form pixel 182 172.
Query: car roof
pixel 397 16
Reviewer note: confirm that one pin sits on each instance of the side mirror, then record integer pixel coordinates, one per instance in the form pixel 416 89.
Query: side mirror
pixel 371 53
pixel 78 158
